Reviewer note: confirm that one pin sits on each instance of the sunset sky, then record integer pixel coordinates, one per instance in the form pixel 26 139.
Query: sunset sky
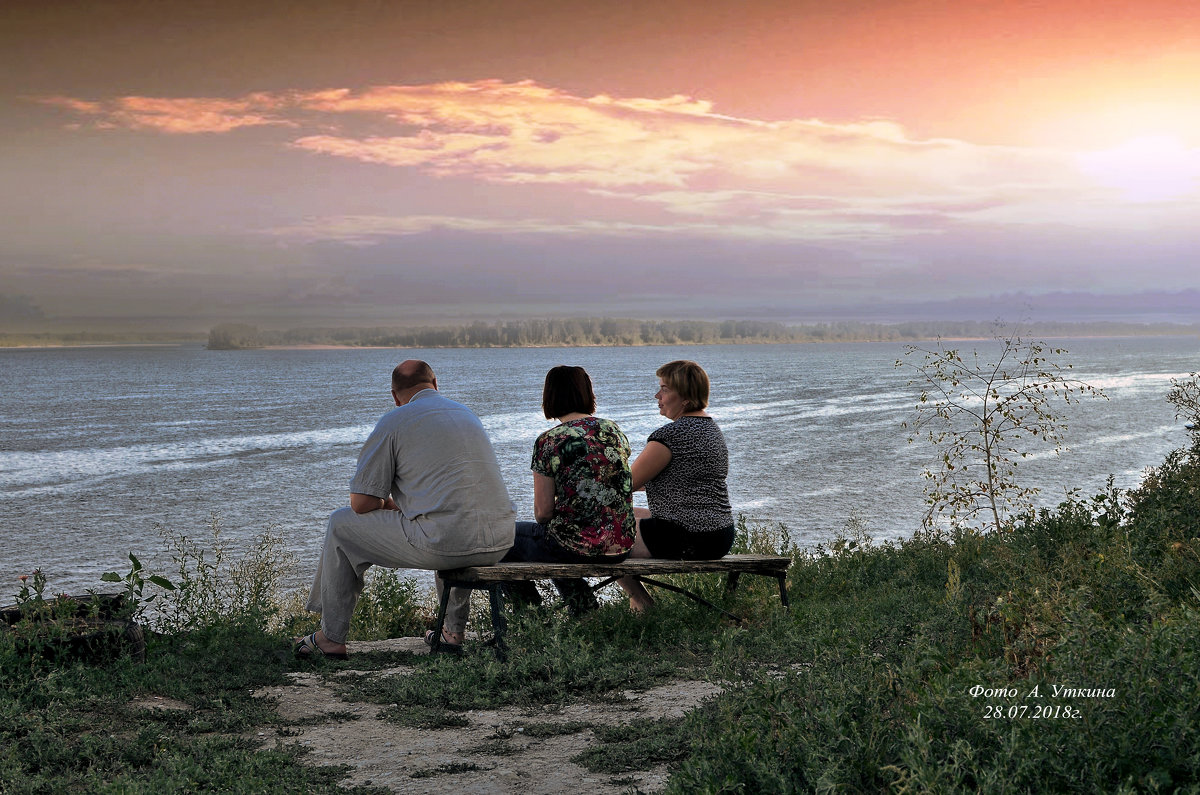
pixel 294 162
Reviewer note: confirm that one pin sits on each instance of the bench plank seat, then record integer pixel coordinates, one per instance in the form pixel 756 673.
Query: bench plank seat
pixel 770 565
pixel 490 578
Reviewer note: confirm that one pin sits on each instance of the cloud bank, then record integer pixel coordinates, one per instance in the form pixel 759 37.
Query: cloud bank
pixel 676 153
pixel 487 171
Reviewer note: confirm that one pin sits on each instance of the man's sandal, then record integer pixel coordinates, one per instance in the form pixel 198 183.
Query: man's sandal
pixel 445 646
pixel 307 649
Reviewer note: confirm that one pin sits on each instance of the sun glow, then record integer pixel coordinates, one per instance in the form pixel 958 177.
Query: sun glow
pixel 1145 169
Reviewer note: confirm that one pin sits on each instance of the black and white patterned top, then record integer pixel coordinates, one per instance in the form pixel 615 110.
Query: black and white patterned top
pixel 691 488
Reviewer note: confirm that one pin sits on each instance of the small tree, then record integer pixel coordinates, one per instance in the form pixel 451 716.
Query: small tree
pixel 983 417
pixel 1185 397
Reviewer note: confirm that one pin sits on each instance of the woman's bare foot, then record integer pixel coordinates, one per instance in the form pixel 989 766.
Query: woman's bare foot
pixel 639 599
pixel 640 605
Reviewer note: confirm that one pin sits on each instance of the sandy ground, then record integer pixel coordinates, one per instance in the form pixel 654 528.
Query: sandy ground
pixel 411 760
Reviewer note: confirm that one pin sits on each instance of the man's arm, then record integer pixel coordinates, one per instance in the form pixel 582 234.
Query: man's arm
pixel 365 503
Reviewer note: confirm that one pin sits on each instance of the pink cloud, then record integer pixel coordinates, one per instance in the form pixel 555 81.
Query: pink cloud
pixel 801 177
pixel 185 115
pixel 70 103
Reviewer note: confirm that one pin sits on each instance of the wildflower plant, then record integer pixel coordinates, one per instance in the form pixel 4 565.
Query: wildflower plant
pixel 219 583
pixel 31 593
pixel 135 581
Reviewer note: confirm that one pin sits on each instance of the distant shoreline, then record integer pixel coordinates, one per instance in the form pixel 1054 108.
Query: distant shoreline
pixel 593 333
pixel 58 345
pixel 314 347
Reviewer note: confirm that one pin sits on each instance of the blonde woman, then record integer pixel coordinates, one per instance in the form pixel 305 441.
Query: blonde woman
pixel 683 470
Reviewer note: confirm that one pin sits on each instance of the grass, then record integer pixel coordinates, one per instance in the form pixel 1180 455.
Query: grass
pixel 448 770
pixel 640 745
pixel 937 664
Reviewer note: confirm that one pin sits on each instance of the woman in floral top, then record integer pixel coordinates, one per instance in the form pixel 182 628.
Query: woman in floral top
pixel 582 489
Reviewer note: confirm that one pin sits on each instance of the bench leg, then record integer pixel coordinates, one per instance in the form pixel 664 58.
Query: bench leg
pixel 441 620
pixel 499 622
pixel 783 589
pixel 731 581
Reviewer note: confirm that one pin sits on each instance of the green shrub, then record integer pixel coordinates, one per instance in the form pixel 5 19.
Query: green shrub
pixel 887 641
pixel 872 681
pixel 391 606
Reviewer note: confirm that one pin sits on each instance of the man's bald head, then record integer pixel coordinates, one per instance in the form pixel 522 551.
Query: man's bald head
pixel 411 376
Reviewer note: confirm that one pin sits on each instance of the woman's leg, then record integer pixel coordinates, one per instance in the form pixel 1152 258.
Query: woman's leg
pixel 639 549
pixel 639 599
pixel 531 543
pixel 528 544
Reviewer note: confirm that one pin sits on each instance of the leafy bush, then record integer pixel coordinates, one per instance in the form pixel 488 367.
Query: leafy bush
pixel 914 666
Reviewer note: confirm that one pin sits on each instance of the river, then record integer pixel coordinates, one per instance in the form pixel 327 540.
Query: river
pixel 102 446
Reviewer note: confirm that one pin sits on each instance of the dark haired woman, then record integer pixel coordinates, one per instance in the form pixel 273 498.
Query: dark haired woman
pixel 582 489
pixel 683 469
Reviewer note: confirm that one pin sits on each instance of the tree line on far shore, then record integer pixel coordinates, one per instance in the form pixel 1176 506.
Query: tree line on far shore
pixel 626 331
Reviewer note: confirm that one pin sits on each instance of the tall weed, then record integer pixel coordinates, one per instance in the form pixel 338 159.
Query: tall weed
pixel 216 584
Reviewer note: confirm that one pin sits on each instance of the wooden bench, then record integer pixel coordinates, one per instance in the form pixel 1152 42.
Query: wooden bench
pixel 491 578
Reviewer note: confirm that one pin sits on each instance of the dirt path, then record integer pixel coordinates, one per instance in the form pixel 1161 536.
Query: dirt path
pixel 492 754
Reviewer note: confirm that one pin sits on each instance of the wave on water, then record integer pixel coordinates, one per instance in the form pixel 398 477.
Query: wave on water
pixel 1134 381
pixel 518 426
pixel 23 470
pixel 824 491
pixel 1122 438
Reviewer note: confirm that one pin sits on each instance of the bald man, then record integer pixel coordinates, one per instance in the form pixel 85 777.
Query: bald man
pixel 427 494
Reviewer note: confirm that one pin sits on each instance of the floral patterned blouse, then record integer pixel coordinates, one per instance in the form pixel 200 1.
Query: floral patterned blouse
pixel 588 459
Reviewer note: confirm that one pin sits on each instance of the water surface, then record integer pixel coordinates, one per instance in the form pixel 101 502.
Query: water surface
pixel 99 447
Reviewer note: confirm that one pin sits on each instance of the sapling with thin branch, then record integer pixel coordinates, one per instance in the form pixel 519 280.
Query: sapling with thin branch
pixel 984 417
pixel 1184 395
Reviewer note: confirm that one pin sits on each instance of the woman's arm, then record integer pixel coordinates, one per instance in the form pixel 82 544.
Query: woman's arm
pixel 653 459
pixel 543 497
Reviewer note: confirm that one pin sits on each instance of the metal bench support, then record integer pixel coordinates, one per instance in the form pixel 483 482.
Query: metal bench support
pixel 492 579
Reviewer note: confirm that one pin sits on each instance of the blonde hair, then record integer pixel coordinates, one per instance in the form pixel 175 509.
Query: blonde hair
pixel 688 380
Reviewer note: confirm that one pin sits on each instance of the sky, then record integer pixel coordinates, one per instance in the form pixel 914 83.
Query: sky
pixel 287 163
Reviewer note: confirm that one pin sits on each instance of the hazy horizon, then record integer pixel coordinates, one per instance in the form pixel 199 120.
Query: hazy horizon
pixel 350 163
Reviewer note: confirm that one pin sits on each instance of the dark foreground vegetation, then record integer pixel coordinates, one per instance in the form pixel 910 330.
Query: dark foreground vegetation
pixel 625 331
pixel 1059 654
